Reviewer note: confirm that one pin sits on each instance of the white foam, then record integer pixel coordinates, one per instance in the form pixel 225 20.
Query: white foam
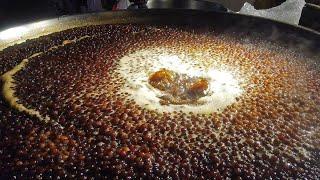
pixel 136 68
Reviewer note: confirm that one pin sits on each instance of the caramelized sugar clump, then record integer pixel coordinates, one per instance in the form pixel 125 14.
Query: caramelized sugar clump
pixel 178 88
pixel 162 79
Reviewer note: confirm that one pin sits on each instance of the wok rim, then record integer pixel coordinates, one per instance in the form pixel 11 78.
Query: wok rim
pixel 124 18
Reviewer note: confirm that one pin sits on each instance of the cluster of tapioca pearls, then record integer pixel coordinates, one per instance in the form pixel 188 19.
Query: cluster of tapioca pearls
pixel 107 134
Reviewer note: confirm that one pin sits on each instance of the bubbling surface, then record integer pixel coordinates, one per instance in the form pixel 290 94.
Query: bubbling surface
pixel 258 119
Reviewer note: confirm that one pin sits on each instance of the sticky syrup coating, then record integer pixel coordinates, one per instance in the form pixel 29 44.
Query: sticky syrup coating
pixel 272 131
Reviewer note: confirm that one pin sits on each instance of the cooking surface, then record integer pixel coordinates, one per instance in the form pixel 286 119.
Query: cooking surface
pixel 78 103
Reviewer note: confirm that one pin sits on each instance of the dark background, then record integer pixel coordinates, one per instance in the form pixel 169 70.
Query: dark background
pixel 17 12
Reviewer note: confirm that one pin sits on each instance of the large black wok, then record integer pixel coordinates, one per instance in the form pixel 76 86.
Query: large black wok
pixel 77 146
